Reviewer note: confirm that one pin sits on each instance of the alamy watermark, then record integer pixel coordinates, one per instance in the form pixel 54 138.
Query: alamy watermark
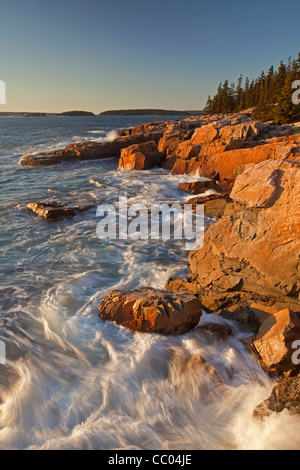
pixel 2 92
pixel 296 94
pixel 296 354
pixel 154 222
pixel 2 353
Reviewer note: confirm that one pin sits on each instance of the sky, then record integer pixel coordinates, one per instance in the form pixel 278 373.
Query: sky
pixel 91 55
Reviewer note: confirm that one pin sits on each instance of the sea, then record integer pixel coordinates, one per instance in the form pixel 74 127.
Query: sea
pixel 70 380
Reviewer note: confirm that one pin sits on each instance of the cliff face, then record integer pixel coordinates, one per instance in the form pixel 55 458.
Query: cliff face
pixel 253 250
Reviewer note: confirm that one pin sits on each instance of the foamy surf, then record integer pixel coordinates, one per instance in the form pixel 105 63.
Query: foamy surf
pixel 72 381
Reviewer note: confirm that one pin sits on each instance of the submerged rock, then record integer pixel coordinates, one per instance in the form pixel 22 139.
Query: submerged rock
pixel 194 376
pixel 152 310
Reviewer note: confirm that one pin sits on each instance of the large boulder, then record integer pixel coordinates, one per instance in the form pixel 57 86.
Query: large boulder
pixel 140 157
pixel 253 250
pixel 152 310
pixel 55 210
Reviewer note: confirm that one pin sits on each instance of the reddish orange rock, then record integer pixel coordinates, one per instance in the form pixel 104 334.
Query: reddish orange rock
pixel 140 157
pixel 214 204
pixel 55 210
pixel 254 248
pixel 90 150
pixel 205 134
pixel 275 339
pixel 152 310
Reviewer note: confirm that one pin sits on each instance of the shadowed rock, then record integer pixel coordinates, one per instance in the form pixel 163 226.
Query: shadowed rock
pixel 198 187
pixel 285 396
pixel 214 331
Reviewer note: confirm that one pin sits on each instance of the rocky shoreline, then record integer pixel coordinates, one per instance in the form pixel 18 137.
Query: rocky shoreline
pixel 249 267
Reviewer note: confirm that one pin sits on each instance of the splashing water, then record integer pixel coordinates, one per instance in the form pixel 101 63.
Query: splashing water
pixel 72 381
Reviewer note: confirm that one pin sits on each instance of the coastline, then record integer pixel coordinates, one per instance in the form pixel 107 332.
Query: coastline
pixel 238 274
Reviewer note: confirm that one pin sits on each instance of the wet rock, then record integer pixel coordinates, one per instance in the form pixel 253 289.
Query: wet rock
pixel 152 310
pixel 55 210
pixel 90 150
pixel 194 375
pixel 124 132
pixel 198 187
pixel 215 331
pixel 285 396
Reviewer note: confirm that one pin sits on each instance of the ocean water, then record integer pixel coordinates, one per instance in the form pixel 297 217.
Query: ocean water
pixel 72 381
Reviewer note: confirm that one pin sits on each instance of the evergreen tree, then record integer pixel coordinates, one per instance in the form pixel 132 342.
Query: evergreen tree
pixel 270 94
pixel 286 111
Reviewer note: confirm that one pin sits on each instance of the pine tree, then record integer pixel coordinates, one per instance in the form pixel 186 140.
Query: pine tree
pixel 286 111
pixel 270 94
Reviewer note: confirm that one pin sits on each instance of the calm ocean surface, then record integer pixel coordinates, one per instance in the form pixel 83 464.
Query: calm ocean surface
pixel 72 381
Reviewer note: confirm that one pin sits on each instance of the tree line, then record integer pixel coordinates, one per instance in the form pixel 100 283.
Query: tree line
pixel 270 94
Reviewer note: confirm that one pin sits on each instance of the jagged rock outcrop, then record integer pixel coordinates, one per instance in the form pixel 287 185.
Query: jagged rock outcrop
pixel 152 310
pixel 285 396
pixel 252 253
pixel 255 246
pixel 90 150
pixel 140 157
pixel 221 146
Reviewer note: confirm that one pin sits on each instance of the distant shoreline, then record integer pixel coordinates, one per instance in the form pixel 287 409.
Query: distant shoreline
pixel 124 112
pixel 149 112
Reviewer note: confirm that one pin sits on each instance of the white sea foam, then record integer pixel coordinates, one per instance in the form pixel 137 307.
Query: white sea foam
pixel 112 135
pixel 73 381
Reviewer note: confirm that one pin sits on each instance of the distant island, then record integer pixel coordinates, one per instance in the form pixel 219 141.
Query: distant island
pixel 118 112
pixel 19 114
pixel 149 112
pixel 76 113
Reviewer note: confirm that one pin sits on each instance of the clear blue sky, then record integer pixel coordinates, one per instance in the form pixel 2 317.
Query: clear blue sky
pixel 110 54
